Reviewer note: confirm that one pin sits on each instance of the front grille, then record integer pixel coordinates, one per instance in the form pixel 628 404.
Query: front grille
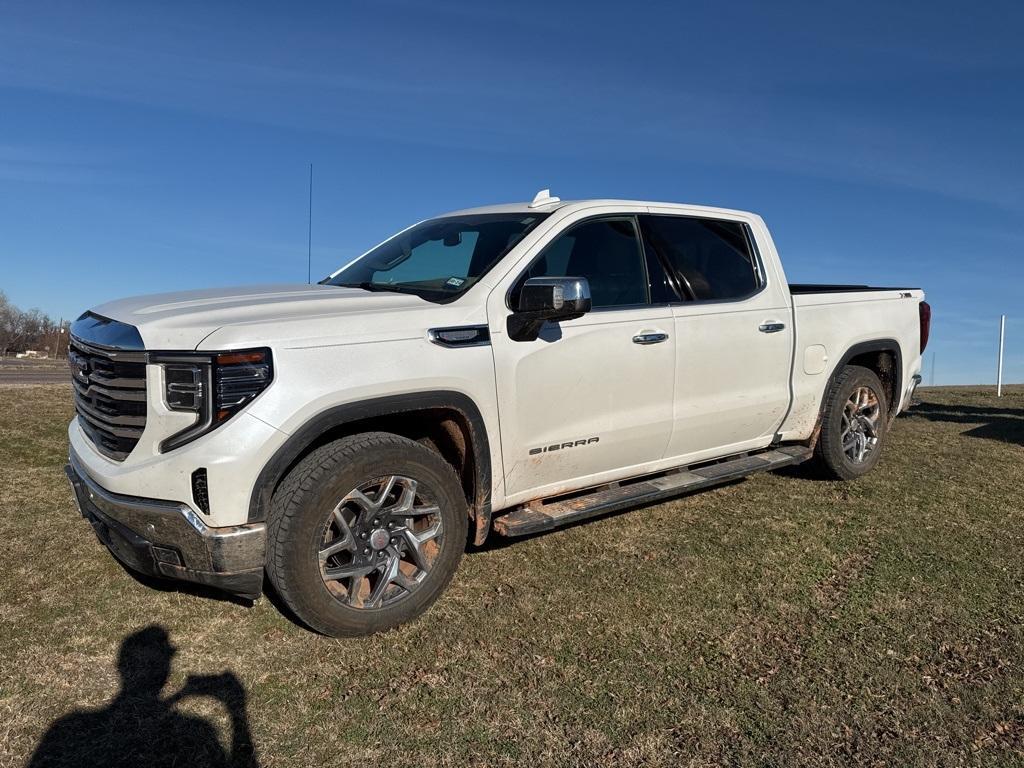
pixel 110 396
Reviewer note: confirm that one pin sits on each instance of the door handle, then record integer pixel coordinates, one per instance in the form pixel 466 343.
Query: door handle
pixel 650 337
pixel 771 327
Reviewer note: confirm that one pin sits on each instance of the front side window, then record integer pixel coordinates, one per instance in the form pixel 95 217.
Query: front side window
pixel 439 259
pixel 606 252
pixel 713 259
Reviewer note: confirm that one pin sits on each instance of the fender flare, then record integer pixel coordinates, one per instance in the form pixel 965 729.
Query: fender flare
pixel 874 345
pixel 337 416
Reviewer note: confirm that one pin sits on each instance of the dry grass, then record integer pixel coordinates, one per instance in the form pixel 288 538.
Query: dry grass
pixel 779 621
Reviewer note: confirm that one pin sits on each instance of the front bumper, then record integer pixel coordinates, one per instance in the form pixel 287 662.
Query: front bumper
pixel 168 539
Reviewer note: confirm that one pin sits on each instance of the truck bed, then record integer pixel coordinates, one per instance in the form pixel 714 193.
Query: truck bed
pixel 832 319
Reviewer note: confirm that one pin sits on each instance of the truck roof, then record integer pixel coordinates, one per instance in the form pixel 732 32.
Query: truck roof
pixel 544 202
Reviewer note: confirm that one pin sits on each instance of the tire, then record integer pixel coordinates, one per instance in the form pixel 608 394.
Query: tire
pixel 345 479
pixel 835 441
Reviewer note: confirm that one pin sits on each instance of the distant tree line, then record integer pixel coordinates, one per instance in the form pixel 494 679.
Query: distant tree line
pixel 22 330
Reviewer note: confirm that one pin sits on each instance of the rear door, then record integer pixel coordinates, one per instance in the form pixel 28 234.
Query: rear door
pixel 734 335
pixel 591 399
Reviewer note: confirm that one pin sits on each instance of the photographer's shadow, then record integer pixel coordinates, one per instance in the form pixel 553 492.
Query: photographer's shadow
pixel 140 728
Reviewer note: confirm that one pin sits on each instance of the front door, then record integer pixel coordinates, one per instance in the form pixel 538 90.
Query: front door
pixel 589 401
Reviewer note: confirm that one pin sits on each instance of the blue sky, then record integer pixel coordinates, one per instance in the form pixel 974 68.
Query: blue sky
pixel 148 147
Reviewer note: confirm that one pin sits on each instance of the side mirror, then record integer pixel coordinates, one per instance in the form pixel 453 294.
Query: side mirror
pixel 547 298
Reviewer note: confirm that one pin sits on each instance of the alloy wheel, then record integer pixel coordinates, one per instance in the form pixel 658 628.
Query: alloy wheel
pixel 859 434
pixel 380 542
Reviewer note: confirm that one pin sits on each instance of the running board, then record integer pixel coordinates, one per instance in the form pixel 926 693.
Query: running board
pixel 539 516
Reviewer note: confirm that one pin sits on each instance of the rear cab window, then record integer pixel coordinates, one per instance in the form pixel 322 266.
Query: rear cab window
pixel 709 259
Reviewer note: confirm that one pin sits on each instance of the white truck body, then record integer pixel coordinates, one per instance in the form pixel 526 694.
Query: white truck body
pixel 727 377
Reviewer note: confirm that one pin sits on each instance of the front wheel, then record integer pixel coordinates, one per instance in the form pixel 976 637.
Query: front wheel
pixel 365 533
pixel 853 424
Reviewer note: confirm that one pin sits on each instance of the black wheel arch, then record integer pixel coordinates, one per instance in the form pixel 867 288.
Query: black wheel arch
pixel 335 420
pixel 893 379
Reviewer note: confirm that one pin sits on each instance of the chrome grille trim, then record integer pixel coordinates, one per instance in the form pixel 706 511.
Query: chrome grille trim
pixel 128 424
pixel 137 391
pixel 109 387
pixel 116 355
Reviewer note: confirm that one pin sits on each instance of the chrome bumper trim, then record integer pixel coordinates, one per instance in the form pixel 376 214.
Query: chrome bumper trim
pixel 228 557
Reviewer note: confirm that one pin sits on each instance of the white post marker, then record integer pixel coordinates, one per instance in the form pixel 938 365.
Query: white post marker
pixel 999 373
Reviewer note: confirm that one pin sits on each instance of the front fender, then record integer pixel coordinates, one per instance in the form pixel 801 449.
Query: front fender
pixel 339 416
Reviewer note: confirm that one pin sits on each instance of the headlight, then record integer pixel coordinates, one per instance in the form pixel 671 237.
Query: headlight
pixel 214 387
pixel 184 387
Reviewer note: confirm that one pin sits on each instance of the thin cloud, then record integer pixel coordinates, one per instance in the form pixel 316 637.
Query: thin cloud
pixel 38 165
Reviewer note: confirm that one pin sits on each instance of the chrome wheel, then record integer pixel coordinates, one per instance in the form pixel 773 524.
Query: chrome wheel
pixel 380 542
pixel 859 433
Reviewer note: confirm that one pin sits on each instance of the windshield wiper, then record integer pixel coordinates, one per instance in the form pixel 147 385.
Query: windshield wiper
pixel 368 286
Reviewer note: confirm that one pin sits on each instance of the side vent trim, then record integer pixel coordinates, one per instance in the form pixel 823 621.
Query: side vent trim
pixel 460 336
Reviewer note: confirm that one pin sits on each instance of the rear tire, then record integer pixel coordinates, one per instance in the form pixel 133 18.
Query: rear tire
pixel 855 418
pixel 365 533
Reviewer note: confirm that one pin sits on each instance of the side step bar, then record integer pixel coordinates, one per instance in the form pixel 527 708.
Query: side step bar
pixel 539 516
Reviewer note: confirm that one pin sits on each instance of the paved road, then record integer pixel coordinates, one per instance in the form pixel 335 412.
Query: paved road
pixel 34 377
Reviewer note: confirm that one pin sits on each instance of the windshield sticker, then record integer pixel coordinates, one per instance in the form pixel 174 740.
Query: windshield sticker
pixel 455 282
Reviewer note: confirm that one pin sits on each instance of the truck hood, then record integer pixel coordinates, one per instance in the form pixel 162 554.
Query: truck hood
pixel 265 314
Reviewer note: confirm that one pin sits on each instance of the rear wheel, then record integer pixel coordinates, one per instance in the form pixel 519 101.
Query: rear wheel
pixel 853 425
pixel 365 533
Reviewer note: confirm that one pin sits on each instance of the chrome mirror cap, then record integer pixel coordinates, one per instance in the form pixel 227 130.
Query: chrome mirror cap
pixel 560 295
pixel 544 299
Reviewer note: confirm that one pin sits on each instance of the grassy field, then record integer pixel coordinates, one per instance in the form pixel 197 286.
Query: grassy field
pixel 778 621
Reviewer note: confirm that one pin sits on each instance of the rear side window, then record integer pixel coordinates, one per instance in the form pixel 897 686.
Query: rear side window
pixel 713 259
pixel 606 252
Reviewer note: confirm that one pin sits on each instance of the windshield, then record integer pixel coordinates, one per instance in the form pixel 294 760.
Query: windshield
pixel 439 259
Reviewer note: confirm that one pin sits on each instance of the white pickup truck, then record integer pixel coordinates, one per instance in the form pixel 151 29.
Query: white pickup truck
pixel 505 369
